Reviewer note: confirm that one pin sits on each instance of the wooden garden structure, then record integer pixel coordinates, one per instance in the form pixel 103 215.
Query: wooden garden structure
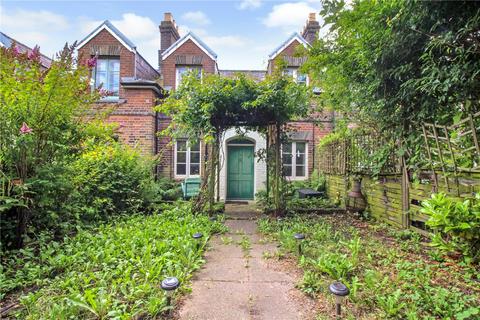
pixel 449 162
pixel 205 108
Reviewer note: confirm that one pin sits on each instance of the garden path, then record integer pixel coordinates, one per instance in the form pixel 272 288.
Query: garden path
pixel 238 283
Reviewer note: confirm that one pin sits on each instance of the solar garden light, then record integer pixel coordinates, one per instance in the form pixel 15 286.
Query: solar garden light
pixel 299 237
pixel 169 285
pixel 197 236
pixel 340 291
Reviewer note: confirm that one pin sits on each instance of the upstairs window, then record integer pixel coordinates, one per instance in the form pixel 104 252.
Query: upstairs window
pixel 187 159
pixel 106 75
pixel 184 70
pixel 294 158
pixel 298 77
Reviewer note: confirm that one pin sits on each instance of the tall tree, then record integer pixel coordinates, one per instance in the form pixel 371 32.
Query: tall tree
pixel 394 64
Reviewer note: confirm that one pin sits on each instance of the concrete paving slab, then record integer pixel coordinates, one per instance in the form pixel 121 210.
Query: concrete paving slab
pixel 259 271
pixel 228 269
pixel 272 301
pixel 241 226
pixel 238 285
pixel 216 301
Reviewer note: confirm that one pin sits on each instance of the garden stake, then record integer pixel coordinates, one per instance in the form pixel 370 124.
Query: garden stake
pixel 169 285
pixel 340 291
pixel 197 236
pixel 299 237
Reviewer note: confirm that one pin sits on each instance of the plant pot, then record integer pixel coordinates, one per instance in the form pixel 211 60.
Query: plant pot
pixel 356 201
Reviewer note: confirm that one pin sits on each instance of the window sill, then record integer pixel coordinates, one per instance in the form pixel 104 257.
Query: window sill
pixel 296 178
pixel 106 101
pixel 178 177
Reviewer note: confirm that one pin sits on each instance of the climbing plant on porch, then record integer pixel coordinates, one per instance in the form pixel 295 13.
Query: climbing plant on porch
pixel 205 108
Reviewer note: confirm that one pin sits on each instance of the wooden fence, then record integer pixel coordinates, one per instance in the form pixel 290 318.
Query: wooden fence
pixel 392 193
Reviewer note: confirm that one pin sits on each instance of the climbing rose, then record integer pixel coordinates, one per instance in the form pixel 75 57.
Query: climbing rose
pixel 92 62
pixel 34 55
pixel 25 129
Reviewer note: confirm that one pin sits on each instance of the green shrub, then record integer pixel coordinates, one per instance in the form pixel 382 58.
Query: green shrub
pixel 456 224
pixel 109 179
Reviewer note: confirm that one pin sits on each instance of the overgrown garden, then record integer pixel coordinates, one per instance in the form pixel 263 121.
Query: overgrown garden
pixel 86 230
pixel 403 75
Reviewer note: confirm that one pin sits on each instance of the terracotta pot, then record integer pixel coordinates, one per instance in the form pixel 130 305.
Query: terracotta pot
pixel 356 200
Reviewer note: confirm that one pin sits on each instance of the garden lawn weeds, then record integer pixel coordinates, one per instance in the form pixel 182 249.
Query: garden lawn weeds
pixel 386 278
pixel 113 271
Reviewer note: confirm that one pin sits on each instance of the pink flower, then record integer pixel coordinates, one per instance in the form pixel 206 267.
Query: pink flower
pixel 34 55
pixel 92 62
pixel 15 51
pixel 104 92
pixel 25 129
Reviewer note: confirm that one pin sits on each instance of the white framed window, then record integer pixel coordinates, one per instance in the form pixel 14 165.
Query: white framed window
pixel 183 70
pixel 106 75
pixel 297 76
pixel 294 158
pixel 187 159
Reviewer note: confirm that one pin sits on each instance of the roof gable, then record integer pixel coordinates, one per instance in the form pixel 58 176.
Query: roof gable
pixel 189 36
pixel 295 36
pixel 108 26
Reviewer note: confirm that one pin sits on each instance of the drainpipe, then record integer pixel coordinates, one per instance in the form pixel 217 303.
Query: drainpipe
pixel 313 146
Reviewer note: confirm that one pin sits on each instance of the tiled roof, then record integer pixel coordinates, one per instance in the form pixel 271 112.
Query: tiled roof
pixel 7 42
pixel 258 75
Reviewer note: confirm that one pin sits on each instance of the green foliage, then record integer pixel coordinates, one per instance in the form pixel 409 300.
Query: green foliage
pixel 386 280
pixel 109 179
pixel 456 224
pixel 202 107
pixel 111 271
pixel 392 65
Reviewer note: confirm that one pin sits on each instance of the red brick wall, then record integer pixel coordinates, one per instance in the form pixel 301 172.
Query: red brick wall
pixel 288 51
pixel 188 48
pixel 127 58
pixel 316 132
pixel 134 111
pixel 165 148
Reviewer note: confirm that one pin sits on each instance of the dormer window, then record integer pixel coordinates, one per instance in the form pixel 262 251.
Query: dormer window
pixel 106 75
pixel 184 70
pixel 297 76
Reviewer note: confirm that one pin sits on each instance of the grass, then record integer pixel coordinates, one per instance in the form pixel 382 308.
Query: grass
pixel 112 272
pixel 389 273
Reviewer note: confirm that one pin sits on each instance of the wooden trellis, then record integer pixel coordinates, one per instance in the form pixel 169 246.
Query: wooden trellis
pixel 355 154
pixel 453 149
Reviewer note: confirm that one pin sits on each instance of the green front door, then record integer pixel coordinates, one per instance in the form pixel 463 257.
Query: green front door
pixel 240 172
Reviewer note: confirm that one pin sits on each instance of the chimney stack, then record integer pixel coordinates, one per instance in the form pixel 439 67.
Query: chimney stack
pixel 311 29
pixel 168 34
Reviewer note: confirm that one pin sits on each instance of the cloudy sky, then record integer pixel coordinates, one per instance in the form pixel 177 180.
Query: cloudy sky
pixel 241 32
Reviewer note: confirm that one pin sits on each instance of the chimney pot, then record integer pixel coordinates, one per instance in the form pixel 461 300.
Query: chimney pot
pixel 167 16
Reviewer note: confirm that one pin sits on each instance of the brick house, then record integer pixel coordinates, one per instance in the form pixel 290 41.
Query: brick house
pixel 137 86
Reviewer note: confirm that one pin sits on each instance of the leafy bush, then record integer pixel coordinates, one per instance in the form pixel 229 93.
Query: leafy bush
pixel 162 190
pixel 110 179
pixel 456 224
pixel 42 112
pixel 112 271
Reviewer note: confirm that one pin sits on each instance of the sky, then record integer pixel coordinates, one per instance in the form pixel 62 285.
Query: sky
pixel 242 32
